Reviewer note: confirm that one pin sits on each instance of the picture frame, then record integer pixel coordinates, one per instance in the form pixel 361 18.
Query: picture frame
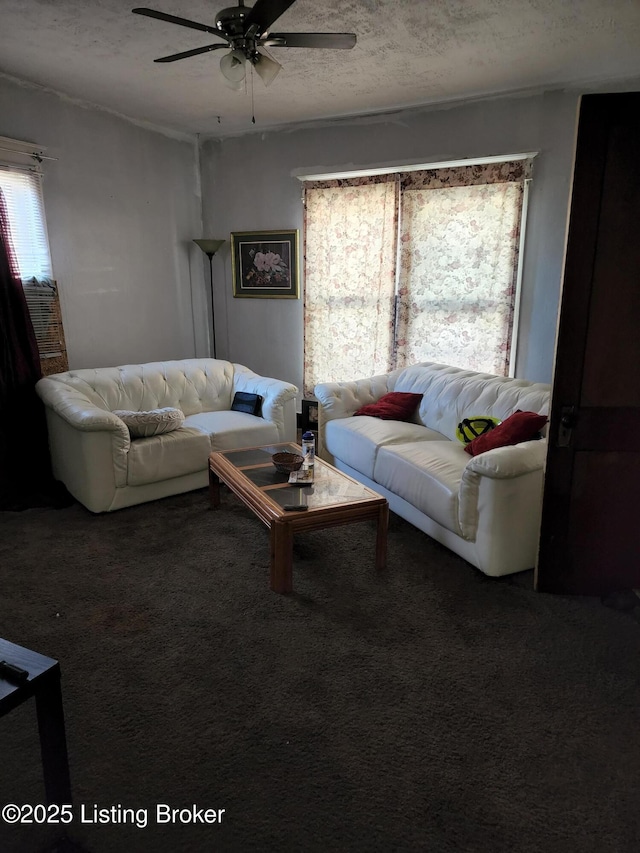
pixel 310 415
pixel 264 264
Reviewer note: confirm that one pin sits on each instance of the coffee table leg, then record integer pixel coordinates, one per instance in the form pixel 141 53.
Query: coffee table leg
pixel 214 489
pixel 381 537
pixel 281 557
pixel 53 742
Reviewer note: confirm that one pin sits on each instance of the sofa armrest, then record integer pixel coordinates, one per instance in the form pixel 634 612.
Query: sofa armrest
pixel 512 461
pixel 343 399
pixel 278 398
pixel 80 433
pixel 72 406
pixel 501 490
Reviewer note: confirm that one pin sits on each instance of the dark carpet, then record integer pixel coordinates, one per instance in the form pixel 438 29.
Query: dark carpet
pixel 426 708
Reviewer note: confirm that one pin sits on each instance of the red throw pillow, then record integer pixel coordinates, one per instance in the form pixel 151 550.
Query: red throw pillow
pixel 394 406
pixel 520 426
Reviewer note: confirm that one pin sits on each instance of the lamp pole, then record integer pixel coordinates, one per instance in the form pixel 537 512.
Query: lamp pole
pixel 210 247
pixel 213 316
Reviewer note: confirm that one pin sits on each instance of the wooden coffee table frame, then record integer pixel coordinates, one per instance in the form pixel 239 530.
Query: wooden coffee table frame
pixel 283 524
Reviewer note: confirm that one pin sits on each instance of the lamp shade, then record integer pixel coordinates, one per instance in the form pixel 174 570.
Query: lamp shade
pixel 233 68
pixel 266 68
pixel 209 247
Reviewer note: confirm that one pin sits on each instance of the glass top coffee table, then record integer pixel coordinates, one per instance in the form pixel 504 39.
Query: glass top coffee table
pixel 332 499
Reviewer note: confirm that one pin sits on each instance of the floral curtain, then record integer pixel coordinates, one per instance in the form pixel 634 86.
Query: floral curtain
pixel 446 293
pixel 350 270
pixel 459 244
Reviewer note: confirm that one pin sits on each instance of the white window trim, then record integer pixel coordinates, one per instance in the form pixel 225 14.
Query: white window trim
pixel 17 154
pixel 513 355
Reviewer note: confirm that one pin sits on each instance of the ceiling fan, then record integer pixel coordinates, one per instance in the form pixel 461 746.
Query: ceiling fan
pixel 244 31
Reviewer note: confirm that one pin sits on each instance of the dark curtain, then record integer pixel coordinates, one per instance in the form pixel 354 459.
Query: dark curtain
pixel 25 467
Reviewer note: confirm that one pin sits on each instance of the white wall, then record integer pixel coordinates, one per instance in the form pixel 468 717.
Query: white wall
pixel 122 205
pixel 249 184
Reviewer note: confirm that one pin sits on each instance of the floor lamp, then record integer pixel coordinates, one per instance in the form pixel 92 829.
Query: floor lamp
pixel 210 247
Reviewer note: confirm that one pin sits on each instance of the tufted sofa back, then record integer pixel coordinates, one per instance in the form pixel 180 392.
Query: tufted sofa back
pixel 192 385
pixel 451 394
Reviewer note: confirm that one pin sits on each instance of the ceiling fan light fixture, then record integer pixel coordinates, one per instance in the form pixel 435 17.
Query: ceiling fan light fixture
pixel 245 31
pixel 232 66
pixel 266 68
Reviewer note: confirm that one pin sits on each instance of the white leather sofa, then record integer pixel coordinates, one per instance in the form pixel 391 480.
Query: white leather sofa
pixel 487 507
pixel 105 469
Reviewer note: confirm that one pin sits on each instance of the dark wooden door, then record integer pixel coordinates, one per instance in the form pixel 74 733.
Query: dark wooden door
pixel 590 534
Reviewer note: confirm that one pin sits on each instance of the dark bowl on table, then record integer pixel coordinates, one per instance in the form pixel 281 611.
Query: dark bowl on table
pixel 286 462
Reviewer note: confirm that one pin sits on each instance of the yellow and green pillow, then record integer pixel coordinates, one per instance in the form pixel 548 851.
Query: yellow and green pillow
pixel 470 428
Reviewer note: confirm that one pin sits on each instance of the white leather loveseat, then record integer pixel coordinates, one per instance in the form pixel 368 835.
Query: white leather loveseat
pixel 487 507
pixel 105 469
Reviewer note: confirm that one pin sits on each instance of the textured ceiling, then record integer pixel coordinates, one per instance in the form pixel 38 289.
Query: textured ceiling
pixel 408 53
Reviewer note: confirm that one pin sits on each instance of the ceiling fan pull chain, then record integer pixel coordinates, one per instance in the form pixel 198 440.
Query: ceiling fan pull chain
pixel 253 111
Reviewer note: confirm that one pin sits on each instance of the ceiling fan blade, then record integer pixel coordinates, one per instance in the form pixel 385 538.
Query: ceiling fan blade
pixel 183 22
pixel 188 53
pixel 265 12
pixel 339 41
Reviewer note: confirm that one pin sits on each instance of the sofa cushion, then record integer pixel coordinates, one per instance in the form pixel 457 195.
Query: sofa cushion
pixel 394 406
pixel 155 422
pixel 520 426
pixel 356 440
pixel 427 474
pixel 227 430
pixel 162 457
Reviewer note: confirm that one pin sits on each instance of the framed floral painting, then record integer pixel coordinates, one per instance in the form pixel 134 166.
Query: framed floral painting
pixel 264 264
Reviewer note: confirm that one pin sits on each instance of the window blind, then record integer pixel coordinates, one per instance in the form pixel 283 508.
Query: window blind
pixel 22 191
pixel 23 195
pixel 44 307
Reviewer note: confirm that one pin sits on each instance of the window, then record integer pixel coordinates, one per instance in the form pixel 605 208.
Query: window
pixel 21 188
pixel 414 266
pixel 351 238
pixel 23 197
